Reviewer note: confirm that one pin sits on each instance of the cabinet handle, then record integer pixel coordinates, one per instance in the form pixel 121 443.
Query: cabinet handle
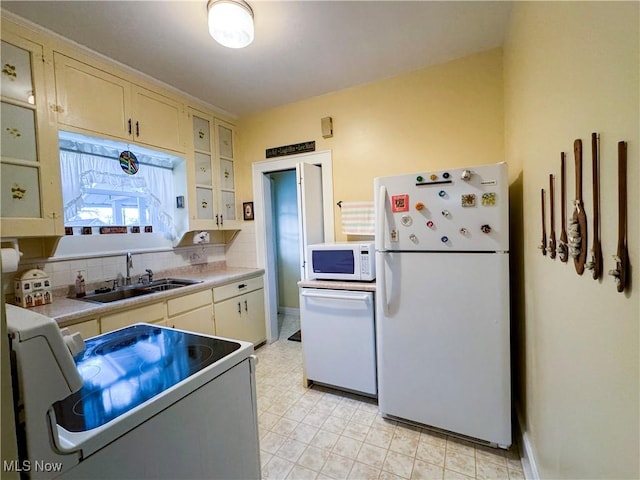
pixel 242 285
pixel 221 221
pixel 217 222
pixel 239 308
pixel 137 129
pixel 246 309
pixel 129 121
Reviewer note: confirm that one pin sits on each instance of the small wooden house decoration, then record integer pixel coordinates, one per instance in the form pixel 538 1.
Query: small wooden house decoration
pixel 33 288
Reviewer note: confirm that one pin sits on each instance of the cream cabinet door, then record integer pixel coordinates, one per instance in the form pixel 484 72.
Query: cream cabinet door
pixel 254 311
pixel 31 200
pixel 198 321
pixel 242 317
pixel 229 319
pixel 157 120
pixel 200 176
pixel 91 99
pixel 225 168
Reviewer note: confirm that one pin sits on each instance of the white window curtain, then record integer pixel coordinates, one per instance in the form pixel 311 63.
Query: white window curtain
pixel 154 184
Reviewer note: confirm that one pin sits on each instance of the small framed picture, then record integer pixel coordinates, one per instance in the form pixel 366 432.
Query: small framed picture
pixel 247 210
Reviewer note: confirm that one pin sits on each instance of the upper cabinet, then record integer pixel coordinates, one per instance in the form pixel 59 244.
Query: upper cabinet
pixel 31 203
pixel 93 100
pixel 212 203
pixel 224 135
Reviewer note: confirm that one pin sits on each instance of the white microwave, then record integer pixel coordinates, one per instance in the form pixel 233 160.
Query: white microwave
pixel 342 261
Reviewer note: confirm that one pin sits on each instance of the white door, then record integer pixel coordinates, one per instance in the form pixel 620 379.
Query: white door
pixel 310 211
pixel 264 222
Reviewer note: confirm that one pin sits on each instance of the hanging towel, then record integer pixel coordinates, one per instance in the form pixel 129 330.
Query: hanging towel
pixel 358 218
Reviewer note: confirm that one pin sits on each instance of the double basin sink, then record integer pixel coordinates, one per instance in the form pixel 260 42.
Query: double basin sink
pixel 122 293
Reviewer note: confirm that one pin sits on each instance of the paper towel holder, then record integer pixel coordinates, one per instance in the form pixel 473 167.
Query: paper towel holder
pixel 13 245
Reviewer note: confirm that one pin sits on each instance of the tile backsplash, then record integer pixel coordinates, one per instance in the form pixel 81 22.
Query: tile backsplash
pixel 106 268
pixel 100 270
pixel 242 251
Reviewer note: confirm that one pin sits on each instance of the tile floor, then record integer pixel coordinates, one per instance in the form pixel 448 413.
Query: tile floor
pixel 318 433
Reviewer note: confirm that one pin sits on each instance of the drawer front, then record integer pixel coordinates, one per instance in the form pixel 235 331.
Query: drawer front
pixel 179 305
pixel 237 288
pixel 148 314
pixel 87 329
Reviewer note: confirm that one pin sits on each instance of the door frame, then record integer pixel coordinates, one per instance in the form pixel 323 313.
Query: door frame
pixel 262 214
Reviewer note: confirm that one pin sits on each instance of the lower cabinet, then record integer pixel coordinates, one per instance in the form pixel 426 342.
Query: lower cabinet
pixel 192 312
pixel 87 329
pixel 239 310
pixel 148 314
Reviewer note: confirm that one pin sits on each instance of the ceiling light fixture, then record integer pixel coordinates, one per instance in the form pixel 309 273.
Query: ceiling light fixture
pixel 231 22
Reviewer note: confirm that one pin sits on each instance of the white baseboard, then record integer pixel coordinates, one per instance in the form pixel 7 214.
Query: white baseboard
pixel 526 451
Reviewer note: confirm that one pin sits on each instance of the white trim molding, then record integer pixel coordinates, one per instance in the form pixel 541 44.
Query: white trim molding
pixel 526 450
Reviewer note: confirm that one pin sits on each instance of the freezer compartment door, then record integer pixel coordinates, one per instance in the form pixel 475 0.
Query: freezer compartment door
pixel 443 341
pixel 338 338
pixel 463 209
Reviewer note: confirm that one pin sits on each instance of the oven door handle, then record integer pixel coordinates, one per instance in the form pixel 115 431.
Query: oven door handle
pixel 358 297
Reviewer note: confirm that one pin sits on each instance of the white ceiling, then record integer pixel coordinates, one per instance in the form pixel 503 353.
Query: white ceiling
pixel 301 48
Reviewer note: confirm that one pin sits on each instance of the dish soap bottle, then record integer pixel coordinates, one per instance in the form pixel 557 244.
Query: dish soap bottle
pixel 80 288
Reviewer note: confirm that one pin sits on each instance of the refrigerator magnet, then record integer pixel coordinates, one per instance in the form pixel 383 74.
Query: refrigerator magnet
pixel 400 203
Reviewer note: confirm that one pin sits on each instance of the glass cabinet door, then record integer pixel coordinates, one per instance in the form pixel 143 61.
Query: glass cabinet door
pixel 25 172
pixel 213 188
pixel 225 133
pixel 17 81
pixel 20 175
pixel 205 209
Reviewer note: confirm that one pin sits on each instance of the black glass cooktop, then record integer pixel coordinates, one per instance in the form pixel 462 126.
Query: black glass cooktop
pixel 125 368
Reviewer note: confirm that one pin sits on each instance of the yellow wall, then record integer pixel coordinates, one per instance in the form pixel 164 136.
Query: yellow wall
pixel 571 68
pixel 450 115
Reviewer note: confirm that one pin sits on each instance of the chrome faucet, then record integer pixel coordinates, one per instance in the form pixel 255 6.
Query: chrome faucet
pixel 127 280
pixel 149 276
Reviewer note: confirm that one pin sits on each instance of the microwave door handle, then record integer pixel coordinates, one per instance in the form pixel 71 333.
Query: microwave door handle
pixel 380 214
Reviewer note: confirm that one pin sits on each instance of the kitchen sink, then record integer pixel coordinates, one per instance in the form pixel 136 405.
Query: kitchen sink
pixel 168 284
pixel 137 290
pixel 171 283
pixel 115 295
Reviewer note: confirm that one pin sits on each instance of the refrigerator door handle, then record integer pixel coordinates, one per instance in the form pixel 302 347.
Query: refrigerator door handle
pixel 380 211
pixel 381 282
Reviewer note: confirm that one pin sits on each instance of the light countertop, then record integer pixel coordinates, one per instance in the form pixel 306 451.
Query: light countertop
pixel 68 311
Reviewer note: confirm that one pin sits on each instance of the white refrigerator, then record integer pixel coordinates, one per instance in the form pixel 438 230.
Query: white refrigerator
pixel 442 300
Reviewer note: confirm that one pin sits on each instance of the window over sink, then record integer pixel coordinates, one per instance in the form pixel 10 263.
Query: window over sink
pixel 100 193
pixel 106 183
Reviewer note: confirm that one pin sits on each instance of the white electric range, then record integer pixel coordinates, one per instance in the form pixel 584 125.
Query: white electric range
pixel 141 402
